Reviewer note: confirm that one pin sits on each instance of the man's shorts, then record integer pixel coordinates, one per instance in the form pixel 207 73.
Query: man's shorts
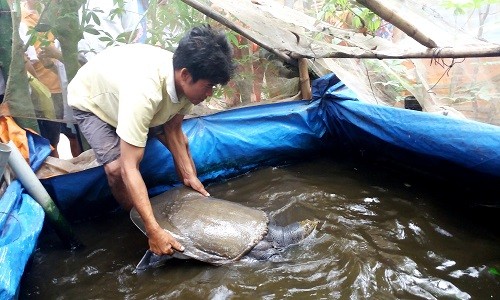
pixel 100 135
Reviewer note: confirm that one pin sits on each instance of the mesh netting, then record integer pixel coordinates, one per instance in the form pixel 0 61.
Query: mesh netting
pixel 272 34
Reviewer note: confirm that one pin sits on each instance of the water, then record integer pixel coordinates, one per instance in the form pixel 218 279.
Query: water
pixel 381 236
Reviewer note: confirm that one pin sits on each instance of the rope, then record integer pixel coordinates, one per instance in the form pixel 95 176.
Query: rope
pixel 442 63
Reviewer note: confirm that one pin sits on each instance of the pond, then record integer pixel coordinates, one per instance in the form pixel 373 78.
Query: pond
pixel 382 235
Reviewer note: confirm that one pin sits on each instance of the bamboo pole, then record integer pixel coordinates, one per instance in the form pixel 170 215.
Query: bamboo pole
pixel 491 50
pixel 386 10
pixel 305 84
pixel 446 52
pixel 209 12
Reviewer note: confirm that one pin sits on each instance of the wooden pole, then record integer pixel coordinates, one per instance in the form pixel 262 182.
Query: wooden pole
pixel 209 12
pixel 490 50
pixel 446 52
pixel 305 84
pixel 386 10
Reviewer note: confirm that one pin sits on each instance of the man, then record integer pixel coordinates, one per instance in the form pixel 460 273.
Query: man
pixel 45 62
pixel 124 91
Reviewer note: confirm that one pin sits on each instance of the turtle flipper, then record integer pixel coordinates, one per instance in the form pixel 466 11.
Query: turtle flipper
pixel 151 260
pixel 264 250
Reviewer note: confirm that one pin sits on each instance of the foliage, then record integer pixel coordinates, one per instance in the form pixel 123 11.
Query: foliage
pixel 351 14
pixel 365 18
pixel 92 15
pixel 461 7
pixel 36 36
pixel 167 22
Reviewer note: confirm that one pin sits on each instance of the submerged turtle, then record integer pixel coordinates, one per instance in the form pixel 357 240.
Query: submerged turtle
pixel 218 231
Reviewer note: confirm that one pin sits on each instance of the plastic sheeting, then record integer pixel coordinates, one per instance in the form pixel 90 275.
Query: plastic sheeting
pixel 223 145
pixel 230 143
pixel 233 142
pixel 444 146
pixel 21 221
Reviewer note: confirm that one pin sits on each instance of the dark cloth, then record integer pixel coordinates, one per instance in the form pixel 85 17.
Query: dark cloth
pixel 51 130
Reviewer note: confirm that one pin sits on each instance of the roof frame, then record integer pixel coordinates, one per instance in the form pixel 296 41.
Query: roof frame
pixel 291 44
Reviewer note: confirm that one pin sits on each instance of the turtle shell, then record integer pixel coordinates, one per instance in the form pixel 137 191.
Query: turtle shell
pixel 210 229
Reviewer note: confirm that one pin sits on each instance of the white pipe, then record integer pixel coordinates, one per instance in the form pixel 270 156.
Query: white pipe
pixel 36 190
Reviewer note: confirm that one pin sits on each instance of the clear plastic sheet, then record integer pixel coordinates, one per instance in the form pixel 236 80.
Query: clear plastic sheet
pixel 463 88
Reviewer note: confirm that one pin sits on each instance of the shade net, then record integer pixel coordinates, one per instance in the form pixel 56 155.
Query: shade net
pixel 272 35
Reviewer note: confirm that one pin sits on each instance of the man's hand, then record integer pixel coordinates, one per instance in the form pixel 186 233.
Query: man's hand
pixel 177 143
pixel 196 185
pixel 161 242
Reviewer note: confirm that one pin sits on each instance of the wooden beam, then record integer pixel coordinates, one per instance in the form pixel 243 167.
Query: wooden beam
pixel 211 13
pixel 447 52
pixel 305 84
pixel 324 50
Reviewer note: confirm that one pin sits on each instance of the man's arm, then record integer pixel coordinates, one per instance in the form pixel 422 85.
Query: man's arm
pixel 160 242
pixel 176 141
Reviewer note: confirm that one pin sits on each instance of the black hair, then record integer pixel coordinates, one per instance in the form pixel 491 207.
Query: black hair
pixel 206 54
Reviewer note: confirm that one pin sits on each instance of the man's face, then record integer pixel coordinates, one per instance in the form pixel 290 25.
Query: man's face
pixel 198 91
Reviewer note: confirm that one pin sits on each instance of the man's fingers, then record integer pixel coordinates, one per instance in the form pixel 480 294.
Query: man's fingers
pixel 205 193
pixel 177 246
pixel 201 189
pixel 167 249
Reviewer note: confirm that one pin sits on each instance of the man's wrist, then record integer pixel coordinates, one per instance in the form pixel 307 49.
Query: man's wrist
pixel 152 227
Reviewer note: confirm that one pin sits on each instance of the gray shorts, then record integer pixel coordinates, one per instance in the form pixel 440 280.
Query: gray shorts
pixel 101 136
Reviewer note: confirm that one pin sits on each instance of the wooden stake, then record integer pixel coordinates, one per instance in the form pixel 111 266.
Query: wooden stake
pixel 305 85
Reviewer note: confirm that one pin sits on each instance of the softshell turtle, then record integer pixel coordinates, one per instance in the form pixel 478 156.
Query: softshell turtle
pixel 217 231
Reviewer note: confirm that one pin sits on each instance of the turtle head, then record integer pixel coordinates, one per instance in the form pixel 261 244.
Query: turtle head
pixel 308 226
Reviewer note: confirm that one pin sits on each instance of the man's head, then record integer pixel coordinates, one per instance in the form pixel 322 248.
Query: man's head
pixel 204 58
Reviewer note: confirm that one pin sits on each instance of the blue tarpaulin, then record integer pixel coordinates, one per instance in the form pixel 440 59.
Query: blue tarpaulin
pixel 458 149
pixel 21 221
pixel 233 142
pixel 230 143
pixel 222 145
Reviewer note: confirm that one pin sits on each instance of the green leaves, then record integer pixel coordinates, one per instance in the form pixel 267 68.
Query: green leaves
pixel 460 7
pixel 167 23
pixel 343 10
pixel 117 12
pixel 90 29
pixel 88 14
pixel 38 36
pixel 231 36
